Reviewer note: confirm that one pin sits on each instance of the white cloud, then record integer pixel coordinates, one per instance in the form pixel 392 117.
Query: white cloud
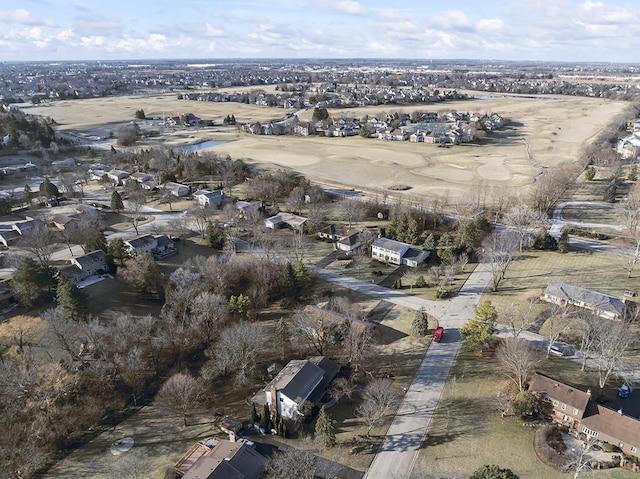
pixel 23 17
pixel 352 7
pixel 490 24
pixel 211 31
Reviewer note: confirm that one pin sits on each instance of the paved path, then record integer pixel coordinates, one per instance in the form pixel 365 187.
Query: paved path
pixel 399 449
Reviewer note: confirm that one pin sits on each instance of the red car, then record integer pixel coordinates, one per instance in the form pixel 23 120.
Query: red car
pixel 438 333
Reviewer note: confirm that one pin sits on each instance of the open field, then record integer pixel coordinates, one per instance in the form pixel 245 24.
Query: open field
pixel 467 430
pixel 545 131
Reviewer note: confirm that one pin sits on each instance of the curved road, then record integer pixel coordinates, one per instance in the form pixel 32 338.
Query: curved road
pixel 399 449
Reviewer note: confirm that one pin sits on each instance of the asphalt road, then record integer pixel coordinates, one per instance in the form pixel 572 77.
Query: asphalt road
pixel 399 449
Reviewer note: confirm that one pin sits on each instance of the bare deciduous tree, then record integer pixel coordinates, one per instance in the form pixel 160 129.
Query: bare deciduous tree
pixel 613 341
pixel 237 350
pixel 523 219
pixel 179 395
pixel 40 241
pixel 557 324
pixel 518 319
pixel 351 210
pixel 379 396
pixel 498 249
pixel 518 359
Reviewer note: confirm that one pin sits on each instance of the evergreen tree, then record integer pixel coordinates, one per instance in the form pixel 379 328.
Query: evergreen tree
pixel 290 284
pixel 255 417
pixel 420 323
pixel 48 189
pixel 282 337
pixel 28 195
pixel 325 429
pixel 117 204
pixel 28 281
pixel 118 250
pixel 563 241
pixel 590 173
pixel 478 330
pixel 633 174
pixel 491 471
pixel 95 239
pixel 302 276
pixel 239 304
pixel 610 192
pixel 215 235
pixel 429 243
pixel 265 417
pixel 72 300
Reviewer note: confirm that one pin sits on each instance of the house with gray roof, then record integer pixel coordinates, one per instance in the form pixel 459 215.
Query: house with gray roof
pixel 600 304
pixel 220 459
pixel 395 252
pixel 299 381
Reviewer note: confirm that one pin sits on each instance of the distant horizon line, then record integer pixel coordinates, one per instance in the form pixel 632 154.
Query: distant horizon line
pixel 322 59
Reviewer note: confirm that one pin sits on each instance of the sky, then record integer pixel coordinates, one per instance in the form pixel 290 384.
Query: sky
pixel 520 30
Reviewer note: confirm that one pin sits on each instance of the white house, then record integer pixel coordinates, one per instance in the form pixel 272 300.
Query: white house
pixel 209 198
pixel 176 189
pixel 299 381
pixel 117 176
pixel 388 250
pixel 396 252
pixel 282 219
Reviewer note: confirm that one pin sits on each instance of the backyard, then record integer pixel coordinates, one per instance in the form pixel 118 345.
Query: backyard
pixel 468 431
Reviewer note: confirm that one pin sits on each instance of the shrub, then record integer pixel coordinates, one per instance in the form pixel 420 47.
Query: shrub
pixel 420 282
pixel 545 451
pixel 590 173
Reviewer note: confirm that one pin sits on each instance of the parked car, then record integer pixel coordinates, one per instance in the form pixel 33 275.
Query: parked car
pixel 438 333
pixel 624 391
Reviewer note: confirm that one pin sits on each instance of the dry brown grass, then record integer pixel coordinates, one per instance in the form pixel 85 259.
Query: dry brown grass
pixel 467 430
pixel 544 133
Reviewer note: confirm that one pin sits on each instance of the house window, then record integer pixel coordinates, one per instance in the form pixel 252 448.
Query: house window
pixel 564 406
pixel 575 412
pixel 634 450
pixel 555 403
pixel 589 432
pixel 621 445
pixel 566 418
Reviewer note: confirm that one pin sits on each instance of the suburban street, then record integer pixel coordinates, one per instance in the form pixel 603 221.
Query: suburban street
pixel 399 449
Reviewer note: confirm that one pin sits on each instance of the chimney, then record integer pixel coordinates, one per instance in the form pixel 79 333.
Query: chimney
pixel 232 437
pixel 274 400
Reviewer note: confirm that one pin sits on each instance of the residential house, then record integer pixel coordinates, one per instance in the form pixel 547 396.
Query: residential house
pixel 245 208
pixel 576 410
pixel 600 304
pixel 141 244
pixel 146 180
pixel 613 427
pixel 282 219
pixel 345 239
pixel 209 198
pixel 396 252
pixel 117 177
pixel 176 189
pixel 82 267
pixel 568 403
pixel 220 459
pixel 23 227
pixel 8 235
pixel 61 221
pixel 158 246
pixel 299 381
